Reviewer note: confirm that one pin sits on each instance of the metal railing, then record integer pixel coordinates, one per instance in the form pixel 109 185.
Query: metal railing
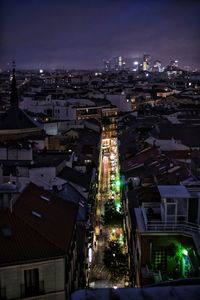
pixel 151 205
pixel 34 290
pixel 171 226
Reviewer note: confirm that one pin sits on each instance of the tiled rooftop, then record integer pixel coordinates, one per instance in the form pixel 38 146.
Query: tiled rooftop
pixel 40 226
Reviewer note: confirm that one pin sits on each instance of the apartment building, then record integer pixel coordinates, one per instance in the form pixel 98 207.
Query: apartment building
pixel 38 246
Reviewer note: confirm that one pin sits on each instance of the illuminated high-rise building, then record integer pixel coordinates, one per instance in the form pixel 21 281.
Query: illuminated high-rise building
pixel 107 65
pixel 136 65
pixel 157 67
pixel 119 63
pixel 146 62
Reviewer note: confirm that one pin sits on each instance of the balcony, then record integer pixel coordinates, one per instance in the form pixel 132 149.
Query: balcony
pixel 34 290
pixel 171 226
pixel 151 212
pixel 155 219
pixel 152 220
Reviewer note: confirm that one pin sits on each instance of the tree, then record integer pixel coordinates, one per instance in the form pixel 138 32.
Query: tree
pixel 111 215
pixel 115 261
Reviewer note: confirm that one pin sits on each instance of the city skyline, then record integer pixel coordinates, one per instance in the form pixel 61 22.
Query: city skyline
pixel 100 168
pixel 80 34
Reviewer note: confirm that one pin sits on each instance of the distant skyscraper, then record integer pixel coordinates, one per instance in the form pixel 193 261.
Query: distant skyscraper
pixel 136 65
pixel 157 66
pixel 119 63
pixel 146 62
pixel 107 65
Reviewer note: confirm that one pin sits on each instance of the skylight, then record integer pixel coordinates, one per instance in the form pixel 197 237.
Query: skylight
pixel 45 198
pixel 36 214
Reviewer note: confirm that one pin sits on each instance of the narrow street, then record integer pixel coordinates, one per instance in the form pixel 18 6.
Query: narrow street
pixel 104 233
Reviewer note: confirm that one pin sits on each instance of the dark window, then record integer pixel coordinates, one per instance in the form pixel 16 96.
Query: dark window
pixel 31 278
pixel 32 286
pixel 193 210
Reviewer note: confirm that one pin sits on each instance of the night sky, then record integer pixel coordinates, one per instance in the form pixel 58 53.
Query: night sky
pixel 81 33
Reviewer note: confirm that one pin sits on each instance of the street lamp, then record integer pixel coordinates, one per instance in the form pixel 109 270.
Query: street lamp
pixel 126 283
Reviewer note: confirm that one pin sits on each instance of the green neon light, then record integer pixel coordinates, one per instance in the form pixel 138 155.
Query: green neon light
pixel 118 183
pixel 118 207
pixel 185 252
